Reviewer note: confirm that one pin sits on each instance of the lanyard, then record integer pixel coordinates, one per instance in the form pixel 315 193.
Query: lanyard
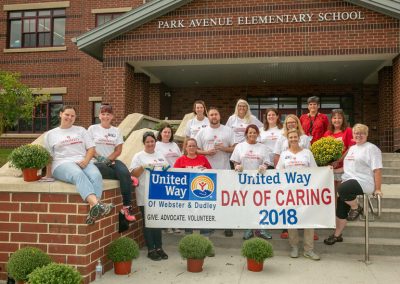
pixel 312 123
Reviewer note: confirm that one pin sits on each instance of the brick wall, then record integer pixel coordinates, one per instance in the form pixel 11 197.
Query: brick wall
pixel 385 98
pixel 55 223
pixel 396 104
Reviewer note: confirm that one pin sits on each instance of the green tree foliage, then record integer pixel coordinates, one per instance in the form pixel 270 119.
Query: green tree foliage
pixel 16 100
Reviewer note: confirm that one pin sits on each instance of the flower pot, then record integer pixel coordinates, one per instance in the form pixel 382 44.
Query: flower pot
pixel 195 265
pixel 122 267
pixel 254 266
pixel 30 174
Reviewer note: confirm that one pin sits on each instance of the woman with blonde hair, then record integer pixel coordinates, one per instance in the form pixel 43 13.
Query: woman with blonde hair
pixel 242 118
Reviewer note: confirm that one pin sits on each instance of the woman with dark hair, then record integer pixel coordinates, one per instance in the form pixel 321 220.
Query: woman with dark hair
pixel 72 151
pixel 148 159
pixel 250 155
pixel 362 174
pixel 199 121
pixel 272 130
pixel 109 143
pixel 340 131
pixel 169 149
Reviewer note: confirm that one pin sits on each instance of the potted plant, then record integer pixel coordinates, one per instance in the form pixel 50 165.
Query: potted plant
pixel 195 248
pixel 256 250
pixel 22 262
pixel 121 251
pixel 55 273
pixel 29 158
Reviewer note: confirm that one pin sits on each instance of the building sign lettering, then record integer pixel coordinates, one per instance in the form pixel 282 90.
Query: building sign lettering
pixel 261 20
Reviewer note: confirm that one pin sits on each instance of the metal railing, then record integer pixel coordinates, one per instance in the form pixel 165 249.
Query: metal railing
pixel 375 212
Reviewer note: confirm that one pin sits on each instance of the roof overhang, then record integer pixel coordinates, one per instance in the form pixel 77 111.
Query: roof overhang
pixel 387 7
pixel 93 41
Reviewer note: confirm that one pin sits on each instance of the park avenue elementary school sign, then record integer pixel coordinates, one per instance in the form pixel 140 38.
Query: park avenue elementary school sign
pixel 261 20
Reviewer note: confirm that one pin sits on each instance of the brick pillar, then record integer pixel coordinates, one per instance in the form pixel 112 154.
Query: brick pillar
pixel 385 103
pixel 138 95
pixel 396 103
pixel 155 100
pixel 370 115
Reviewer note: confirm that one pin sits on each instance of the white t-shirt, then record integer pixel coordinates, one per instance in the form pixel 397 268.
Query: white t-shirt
pixel 141 159
pixel 282 143
pixel 208 137
pixel 269 138
pixel 251 156
pixel 360 163
pixel 67 144
pixel 239 125
pixel 106 139
pixel 194 125
pixel 288 160
pixel 169 150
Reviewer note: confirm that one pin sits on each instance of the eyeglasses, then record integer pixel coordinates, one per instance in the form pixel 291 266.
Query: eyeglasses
pixel 360 134
pixel 106 108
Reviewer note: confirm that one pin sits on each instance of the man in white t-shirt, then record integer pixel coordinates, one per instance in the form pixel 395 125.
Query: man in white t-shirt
pixel 216 142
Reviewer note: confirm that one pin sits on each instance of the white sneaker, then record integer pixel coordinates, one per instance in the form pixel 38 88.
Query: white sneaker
pixel 311 255
pixel 295 252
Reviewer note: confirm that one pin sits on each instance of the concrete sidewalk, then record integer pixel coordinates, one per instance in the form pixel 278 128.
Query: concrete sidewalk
pixel 228 266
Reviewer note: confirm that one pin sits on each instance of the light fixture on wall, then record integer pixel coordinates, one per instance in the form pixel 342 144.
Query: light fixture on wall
pixel 167 94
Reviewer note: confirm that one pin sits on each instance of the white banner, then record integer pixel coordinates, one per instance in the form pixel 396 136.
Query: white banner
pixel 226 199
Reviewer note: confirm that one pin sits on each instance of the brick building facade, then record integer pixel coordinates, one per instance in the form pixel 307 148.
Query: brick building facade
pixel 158 57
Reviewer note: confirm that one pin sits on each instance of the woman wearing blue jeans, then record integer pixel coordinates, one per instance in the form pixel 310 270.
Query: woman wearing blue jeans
pixel 72 150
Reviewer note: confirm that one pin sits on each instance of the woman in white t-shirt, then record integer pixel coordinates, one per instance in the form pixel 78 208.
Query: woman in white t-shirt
pixel 72 150
pixel 282 144
pixel 272 130
pixel 109 143
pixel 251 155
pixel 148 159
pixel 170 150
pixel 295 157
pixel 199 121
pixel 362 174
pixel 241 119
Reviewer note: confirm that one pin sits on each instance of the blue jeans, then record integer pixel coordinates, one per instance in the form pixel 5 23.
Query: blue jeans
pixel 88 180
pixel 118 171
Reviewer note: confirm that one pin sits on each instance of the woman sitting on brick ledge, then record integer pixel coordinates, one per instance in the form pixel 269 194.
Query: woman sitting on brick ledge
pixel 72 150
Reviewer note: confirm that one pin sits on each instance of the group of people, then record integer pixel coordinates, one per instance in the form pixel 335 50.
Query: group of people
pixel 85 157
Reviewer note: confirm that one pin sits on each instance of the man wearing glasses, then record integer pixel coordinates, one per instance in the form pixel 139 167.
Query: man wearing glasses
pixel 314 123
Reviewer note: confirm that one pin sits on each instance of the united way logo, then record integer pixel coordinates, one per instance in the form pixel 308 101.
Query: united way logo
pixel 203 187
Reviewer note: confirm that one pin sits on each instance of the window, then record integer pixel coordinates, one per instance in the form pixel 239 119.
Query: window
pixel 104 18
pixel 96 112
pixel 44 117
pixel 41 28
pixel 298 105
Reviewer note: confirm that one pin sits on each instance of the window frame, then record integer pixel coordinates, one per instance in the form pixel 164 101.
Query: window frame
pixel 113 16
pixel 22 18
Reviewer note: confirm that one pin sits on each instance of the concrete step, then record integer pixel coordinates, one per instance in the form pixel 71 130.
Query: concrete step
pixel 391 179
pixel 391 163
pixel 350 245
pixel 391 156
pixel 377 229
pixel 391 171
pixel 390 215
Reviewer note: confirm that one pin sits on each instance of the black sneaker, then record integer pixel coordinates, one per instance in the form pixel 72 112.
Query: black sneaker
pixel 162 253
pixel 332 239
pixel 354 213
pixel 228 233
pixel 153 255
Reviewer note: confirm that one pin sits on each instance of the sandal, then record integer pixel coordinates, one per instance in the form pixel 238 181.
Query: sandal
pixel 354 213
pixel 333 239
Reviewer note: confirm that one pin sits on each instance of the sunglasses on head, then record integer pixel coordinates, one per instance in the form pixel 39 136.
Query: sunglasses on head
pixel 106 108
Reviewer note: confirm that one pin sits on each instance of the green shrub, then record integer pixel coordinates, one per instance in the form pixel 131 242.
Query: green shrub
pixel 29 156
pixel 55 273
pixel 257 249
pixel 195 246
pixel 24 261
pixel 123 249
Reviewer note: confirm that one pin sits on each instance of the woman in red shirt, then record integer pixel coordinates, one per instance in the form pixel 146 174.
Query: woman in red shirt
pixel 338 128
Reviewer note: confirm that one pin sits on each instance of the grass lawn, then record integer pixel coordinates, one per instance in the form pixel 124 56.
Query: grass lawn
pixel 3 156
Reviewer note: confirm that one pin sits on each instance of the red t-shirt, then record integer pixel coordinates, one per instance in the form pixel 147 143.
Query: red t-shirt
pixel 345 136
pixel 314 126
pixel 185 162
